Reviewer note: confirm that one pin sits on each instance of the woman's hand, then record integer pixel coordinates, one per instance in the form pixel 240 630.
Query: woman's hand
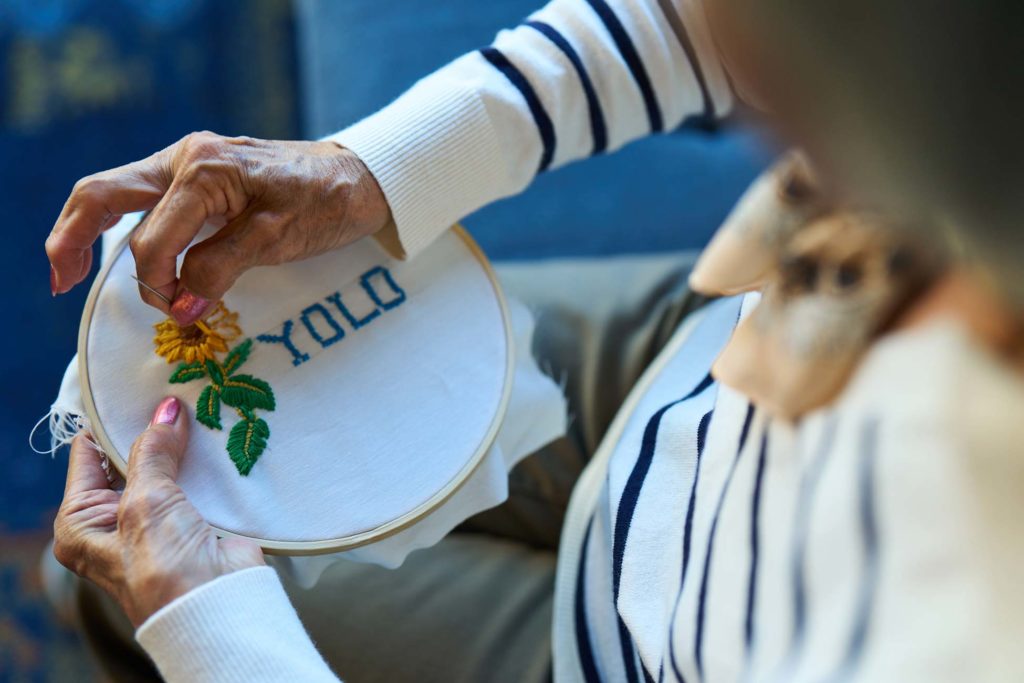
pixel 279 202
pixel 147 545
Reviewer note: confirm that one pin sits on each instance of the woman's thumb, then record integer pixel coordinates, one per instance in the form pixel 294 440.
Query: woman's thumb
pixel 157 452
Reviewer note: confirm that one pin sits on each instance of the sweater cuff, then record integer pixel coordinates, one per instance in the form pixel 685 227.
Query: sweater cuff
pixel 238 627
pixel 436 157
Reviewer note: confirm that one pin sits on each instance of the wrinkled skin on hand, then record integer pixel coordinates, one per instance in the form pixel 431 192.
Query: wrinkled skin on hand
pixel 145 545
pixel 277 202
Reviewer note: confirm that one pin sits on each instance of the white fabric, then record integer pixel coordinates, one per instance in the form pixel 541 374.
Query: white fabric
pixel 536 414
pixel 342 460
pixel 464 136
pixel 239 627
pixel 879 540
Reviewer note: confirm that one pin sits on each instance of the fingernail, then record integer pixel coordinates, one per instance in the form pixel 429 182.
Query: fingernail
pixel 188 307
pixel 167 412
pixel 53 282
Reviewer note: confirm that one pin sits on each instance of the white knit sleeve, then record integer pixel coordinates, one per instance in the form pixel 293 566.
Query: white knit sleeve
pixel 239 627
pixel 577 78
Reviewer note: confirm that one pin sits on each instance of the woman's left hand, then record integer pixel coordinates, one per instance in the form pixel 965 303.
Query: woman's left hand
pixel 146 545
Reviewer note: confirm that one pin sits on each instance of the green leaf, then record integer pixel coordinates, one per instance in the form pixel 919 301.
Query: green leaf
pixel 208 408
pixel 187 372
pixel 243 391
pixel 213 369
pixel 237 356
pixel 246 442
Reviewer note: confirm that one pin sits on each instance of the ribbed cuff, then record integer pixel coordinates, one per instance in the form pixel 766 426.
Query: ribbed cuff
pixel 435 155
pixel 238 627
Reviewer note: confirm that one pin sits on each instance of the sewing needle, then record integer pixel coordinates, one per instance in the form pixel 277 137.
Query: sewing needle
pixel 143 284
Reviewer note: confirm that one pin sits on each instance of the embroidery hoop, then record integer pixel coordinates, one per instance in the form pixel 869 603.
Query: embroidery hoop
pixel 331 545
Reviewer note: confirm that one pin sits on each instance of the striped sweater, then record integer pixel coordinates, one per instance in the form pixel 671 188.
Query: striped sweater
pixel 577 78
pixel 876 541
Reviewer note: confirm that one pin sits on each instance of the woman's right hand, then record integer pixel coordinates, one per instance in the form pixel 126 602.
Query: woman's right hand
pixel 281 201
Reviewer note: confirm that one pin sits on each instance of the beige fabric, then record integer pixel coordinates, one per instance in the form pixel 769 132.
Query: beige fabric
pixel 833 279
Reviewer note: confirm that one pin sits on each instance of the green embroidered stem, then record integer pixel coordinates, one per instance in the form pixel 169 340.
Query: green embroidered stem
pixel 247 439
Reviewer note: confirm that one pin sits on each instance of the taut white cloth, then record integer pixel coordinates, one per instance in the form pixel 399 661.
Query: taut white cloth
pixel 394 377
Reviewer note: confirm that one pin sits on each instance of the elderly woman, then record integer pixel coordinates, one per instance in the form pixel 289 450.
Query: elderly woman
pixel 877 538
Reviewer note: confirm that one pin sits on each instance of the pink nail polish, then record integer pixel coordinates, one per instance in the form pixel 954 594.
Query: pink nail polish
pixel 167 412
pixel 188 307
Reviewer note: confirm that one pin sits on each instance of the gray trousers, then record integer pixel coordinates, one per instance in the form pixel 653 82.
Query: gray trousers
pixel 477 606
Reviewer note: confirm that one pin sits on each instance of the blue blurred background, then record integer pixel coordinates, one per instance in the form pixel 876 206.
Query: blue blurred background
pixel 90 84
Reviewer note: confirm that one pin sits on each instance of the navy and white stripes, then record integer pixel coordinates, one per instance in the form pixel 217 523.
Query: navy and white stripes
pixel 540 115
pixel 628 51
pixel 577 78
pixel 583 644
pixel 597 125
pixel 701 496
pixel 698 644
pixel 618 46
pixel 628 502
pixel 755 544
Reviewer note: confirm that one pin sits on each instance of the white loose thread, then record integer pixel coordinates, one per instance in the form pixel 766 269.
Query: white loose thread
pixel 64 427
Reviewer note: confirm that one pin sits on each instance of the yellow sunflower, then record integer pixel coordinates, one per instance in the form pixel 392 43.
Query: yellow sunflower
pixel 199 342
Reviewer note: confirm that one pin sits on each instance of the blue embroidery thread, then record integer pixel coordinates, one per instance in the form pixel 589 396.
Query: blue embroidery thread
pixel 366 282
pixel 298 357
pixel 339 333
pixel 380 270
pixel 356 323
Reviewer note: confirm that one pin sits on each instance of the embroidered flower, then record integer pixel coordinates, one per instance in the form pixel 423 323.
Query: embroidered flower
pixel 199 342
pixel 198 346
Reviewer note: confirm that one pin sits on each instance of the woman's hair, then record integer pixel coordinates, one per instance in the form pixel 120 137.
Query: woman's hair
pixel 918 104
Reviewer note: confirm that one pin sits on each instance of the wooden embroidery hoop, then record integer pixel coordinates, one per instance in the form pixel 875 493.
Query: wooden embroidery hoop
pixel 332 545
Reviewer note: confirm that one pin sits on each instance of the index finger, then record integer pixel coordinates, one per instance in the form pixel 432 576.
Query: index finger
pixel 167 232
pixel 95 204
